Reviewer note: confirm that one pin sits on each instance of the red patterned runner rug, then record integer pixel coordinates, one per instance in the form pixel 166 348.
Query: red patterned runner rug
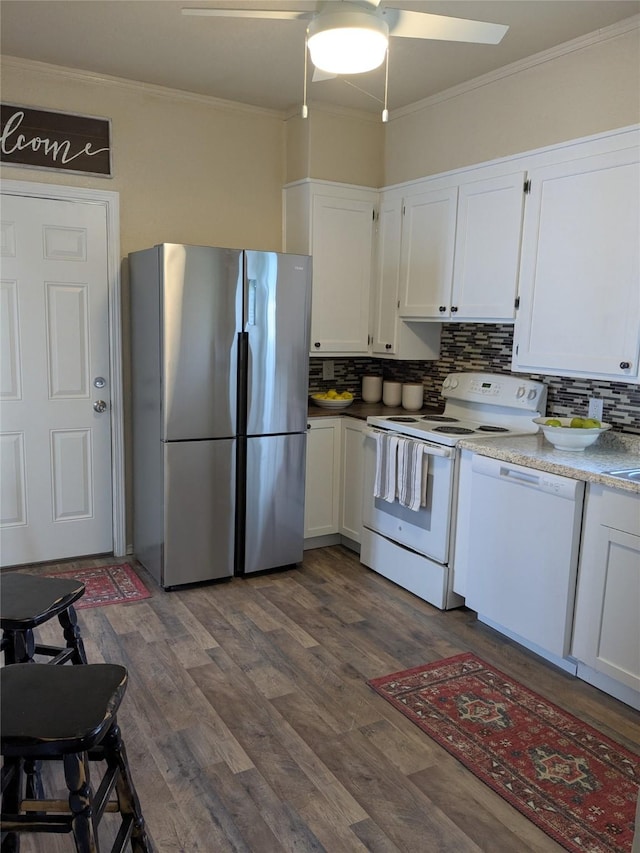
pixel 577 785
pixel 106 585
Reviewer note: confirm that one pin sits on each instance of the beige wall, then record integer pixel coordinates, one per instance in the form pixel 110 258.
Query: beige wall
pixel 187 169
pixel 336 145
pixel 593 88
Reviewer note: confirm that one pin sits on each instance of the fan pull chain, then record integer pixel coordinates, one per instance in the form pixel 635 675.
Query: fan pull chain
pixel 385 111
pixel 305 109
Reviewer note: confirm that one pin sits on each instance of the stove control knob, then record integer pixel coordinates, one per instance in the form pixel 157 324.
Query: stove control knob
pixel 520 392
pixel 447 383
pixel 454 383
pixel 532 394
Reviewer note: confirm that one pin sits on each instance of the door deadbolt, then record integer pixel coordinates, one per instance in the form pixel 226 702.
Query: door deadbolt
pixel 100 406
pixel 99 382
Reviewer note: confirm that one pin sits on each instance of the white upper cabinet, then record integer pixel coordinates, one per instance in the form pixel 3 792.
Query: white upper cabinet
pixel 461 249
pixel 426 257
pixel 487 253
pixel 580 272
pixel 392 337
pixel 334 224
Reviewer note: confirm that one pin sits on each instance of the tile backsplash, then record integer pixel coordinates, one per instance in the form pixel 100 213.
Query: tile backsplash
pixel 485 347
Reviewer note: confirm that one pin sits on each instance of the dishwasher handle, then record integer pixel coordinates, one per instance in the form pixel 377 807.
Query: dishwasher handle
pixel 519 475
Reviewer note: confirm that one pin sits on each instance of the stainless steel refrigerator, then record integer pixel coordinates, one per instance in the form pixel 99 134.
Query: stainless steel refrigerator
pixel 220 345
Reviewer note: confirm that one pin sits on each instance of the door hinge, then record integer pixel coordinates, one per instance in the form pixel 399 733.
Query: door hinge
pixel 527 186
pixel 375 214
pixel 516 304
pixel 404 210
pixel 398 304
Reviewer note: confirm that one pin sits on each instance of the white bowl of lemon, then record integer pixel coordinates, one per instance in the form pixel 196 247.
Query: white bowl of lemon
pixel 333 399
pixel 571 433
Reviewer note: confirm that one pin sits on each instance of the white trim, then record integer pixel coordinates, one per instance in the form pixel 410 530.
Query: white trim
pixel 111 202
pixel 601 35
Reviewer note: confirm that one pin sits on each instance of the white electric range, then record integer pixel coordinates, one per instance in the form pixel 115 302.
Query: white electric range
pixel 413 547
pixel 478 405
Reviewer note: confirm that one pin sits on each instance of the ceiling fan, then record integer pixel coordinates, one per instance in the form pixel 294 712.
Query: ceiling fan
pixel 352 36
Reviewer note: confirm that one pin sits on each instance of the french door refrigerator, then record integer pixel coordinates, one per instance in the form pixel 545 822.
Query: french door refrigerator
pixel 219 350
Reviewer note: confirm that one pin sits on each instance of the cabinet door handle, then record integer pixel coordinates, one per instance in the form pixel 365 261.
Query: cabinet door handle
pixel 387 346
pixel 317 345
pixel 625 365
pixel 454 309
pixel 442 309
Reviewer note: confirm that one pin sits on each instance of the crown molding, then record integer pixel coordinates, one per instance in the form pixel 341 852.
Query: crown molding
pixel 599 36
pixel 121 83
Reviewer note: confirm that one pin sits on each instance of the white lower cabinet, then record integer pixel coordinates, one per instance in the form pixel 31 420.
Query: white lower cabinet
pixel 606 632
pixel 322 485
pixel 352 478
pixel 334 481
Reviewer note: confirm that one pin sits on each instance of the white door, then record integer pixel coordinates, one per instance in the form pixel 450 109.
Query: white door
pixel 55 447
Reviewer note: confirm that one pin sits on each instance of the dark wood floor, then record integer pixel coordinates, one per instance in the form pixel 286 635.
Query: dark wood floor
pixel 250 727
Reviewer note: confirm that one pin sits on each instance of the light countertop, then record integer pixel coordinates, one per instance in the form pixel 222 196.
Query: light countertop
pixel 613 450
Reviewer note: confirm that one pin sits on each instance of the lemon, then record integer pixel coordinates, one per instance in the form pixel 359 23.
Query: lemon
pixel 554 422
pixel 577 423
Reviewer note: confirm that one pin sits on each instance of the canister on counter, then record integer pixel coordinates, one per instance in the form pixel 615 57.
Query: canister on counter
pixel 391 393
pixel 412 396
pixel 371 389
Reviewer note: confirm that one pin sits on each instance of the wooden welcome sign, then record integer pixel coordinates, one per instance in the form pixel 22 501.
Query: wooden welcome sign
pixel 44 139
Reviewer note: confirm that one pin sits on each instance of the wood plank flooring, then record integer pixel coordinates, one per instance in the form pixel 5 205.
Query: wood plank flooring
pixel 249 725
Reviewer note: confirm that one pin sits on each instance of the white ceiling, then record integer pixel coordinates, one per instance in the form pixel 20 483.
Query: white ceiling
pixel 261 62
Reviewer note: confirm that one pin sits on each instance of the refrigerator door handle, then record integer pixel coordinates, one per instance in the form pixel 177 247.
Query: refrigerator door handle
pixel 252 286
pixel 243 371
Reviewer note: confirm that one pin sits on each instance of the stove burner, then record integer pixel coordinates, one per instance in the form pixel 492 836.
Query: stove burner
pixel 489 428
pixel 442 419
pixel 454 430
pixel 403 420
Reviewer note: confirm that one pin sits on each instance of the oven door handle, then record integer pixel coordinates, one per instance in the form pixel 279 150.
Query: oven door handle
pixel 430 449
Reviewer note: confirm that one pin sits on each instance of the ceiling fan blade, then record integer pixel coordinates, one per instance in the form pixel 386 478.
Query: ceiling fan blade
pixel 319 75
pixel 246 13
pixel 423 25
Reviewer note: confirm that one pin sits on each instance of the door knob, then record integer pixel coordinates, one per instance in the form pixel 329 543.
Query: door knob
pixel 100 406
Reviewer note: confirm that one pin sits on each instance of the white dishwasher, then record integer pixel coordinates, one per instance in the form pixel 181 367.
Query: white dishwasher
pixel 523 542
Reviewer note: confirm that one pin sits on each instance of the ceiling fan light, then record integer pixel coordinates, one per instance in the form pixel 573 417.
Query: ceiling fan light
pixel 347 42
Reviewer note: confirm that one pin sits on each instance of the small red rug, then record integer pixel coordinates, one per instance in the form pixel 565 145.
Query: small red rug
pixel 106 585
pixel 577 785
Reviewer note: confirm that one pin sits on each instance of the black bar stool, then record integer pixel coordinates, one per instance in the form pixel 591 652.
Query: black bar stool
pixel 27 601
pixel 67 713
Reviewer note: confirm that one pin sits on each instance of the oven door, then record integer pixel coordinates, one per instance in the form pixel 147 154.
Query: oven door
pixel 425 531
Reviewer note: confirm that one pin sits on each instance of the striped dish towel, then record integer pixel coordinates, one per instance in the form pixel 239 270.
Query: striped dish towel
pixel 412 474
pixel 384 485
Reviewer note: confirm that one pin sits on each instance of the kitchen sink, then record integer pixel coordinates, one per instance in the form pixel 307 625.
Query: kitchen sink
pixel 632 474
